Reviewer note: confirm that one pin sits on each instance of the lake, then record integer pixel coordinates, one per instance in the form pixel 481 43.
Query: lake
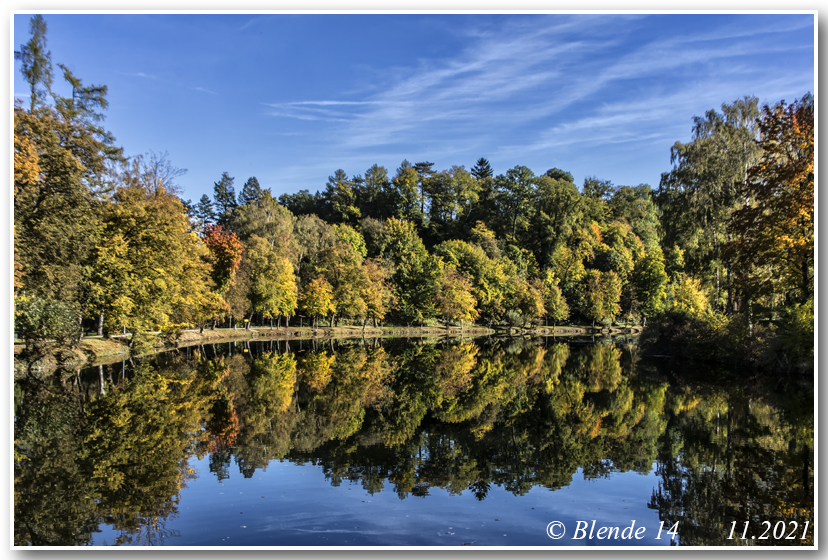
pixel 486 442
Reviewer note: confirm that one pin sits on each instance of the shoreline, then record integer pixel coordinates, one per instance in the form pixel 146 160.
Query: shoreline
pixel 93 351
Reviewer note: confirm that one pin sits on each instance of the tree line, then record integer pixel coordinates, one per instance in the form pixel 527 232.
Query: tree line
pixel 105 238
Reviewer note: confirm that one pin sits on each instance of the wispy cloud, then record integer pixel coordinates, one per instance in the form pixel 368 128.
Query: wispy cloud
pixel 248 23
pixel 205 90
pixel 535 85
pixel 140 75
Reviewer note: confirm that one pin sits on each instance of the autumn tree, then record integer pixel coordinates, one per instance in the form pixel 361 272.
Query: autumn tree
pixel 455 301
pixel 689 296
pixel 226 251
pixel 603 291
pixel 378 291
pixel 148 269
pixel 553 299
pixel 273 284
pixel 317 298
pixel 62 175
pixel 492 283
pixel 774 234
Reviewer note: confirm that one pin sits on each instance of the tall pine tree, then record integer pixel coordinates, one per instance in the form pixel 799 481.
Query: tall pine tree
pixel 224 198
pixel 251 192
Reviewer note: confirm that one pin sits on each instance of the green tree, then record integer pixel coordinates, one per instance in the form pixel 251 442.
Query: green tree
pixel 251 192
pixel 36 63
pixel 650 281
pixel 405 195
pixel 424 171
pixel 314 237
pixel 342 198
pixel 373 197
pixel 416 272
pixel 482 169
pixel 706 185
pixel 204 211
pixel 46 326
pixel 224 199
pixel 556 214
pixel 516 191
pixel 270 221
pixel 560 175
pixel 302 202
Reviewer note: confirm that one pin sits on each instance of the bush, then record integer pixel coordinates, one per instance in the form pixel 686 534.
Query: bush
pixel 797 334
pixel 143 342
pixel 514 318
pixel 172 333
pixel 711 337
pixel 47 325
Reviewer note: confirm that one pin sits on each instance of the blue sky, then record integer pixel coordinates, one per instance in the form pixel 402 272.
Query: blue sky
pixel 292 98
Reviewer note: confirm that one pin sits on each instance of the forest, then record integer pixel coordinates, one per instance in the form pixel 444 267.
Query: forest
pixel 719 256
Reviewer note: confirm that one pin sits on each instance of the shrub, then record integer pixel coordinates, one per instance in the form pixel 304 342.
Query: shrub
pixel 797 334
pixel 143 342
pixel 514 318
pixel 172 333
pixel 47 325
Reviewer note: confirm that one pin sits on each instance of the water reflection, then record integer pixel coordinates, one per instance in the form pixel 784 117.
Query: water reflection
pixel 111 445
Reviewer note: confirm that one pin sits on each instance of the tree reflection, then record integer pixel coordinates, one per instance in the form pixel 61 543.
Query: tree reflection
pixel 111 446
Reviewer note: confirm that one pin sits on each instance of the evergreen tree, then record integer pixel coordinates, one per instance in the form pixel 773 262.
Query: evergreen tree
pixel 560 175
pixel 424 171
pixel 340 199
pixel 482 169
pixel 204 211
pixel 373 197
pixel 251 192
pixel 36 63
pixel 224 198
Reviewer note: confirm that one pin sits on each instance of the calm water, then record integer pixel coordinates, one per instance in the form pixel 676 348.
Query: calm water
pixel 361 443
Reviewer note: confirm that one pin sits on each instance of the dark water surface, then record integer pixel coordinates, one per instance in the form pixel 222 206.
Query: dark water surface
pixel 395 443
